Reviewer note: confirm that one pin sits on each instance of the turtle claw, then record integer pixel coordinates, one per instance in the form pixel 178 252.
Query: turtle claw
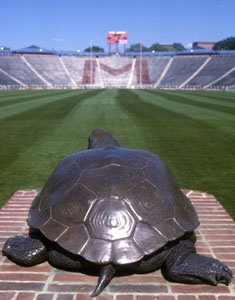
pixel 219 273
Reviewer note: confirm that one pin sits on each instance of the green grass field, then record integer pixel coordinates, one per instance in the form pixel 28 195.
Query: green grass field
pixel 193 132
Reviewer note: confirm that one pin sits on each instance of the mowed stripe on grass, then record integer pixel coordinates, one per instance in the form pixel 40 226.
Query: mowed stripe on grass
pixel 195 142
pixel 193 132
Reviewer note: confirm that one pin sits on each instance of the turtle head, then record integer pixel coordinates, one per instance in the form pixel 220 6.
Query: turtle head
pixel 100 138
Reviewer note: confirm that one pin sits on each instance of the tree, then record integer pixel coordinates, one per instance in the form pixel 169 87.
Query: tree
pixel 94 49
pixel 226 44
pixel 178 47
pixel 157 47
pixel 137 47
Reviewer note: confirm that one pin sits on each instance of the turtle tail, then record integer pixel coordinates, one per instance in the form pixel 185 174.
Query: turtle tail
pixel 106 274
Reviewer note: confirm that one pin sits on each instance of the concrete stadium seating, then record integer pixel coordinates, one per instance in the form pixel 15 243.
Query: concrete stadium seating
pixel 217 66
pixel 227 81
pixel 16 67
pixel 115 70
pixel 179 71
pixel 50 68
pixel 156 65
pixel 75 67
pixel 5 80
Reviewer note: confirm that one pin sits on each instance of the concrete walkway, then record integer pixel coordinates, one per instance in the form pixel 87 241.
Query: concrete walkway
pixel 216 238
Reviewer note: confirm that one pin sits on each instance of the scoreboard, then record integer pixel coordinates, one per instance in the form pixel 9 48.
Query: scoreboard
pixel 117 37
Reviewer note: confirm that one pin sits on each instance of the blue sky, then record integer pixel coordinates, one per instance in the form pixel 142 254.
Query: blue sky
pixel 73 24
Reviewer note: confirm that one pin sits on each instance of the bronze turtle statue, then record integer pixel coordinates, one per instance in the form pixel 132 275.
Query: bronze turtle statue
pixel 115 208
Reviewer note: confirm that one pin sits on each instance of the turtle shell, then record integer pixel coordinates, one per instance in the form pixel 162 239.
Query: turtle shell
pixel 112 205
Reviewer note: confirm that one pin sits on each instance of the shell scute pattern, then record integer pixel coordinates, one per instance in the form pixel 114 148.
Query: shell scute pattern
pixel 74 239
pixel 111 205
pixel 98 250
pixel 147 238
pixel 111 180
pixel 126 251
pixel 53 229
pixel 37 218
pixel 185 214
pixel 61 180
pixel 110 220
pixel 73 207
pixel 149 203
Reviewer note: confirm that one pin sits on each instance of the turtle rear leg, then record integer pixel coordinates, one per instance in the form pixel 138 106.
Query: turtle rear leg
pixel 184 265
pixel 25 251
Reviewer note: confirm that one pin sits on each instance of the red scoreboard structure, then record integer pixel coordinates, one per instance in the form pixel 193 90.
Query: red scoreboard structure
pixel 117 38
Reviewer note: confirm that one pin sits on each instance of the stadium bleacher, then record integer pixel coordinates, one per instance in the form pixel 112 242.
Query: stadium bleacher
pixel 183 70
pixel 115 71
pixel 182 67
pixel 50 69
pixel 6 80
pixel 217 66
pixel 15 67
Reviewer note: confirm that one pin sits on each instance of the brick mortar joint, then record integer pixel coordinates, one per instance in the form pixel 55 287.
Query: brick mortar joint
pixel 115 294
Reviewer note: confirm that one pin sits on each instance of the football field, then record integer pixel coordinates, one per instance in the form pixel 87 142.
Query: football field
pixel 193 132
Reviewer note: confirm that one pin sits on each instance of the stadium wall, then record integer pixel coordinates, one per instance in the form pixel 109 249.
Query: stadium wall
pixel 181 71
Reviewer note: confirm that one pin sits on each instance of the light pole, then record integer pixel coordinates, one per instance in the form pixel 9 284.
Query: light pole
pixel 140 63
pixel 91 64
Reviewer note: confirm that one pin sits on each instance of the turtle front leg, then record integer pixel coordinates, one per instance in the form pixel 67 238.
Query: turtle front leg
pixel 25 251
pixel 184 265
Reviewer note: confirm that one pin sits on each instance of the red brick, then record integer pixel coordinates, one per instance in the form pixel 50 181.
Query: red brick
pixel 188 297
pixel 69 277
pixel 143 288
pixel 221 243
pixel 15 268
pixel 23 277
pixel 219 237
pixel 8 234
pixel 215 216
pixel 21 286
pixel 44 297
pixel 83 297
pixel 76 288
pixel 105 297
pixel 13 224
pixel 224 250
pixel 125 297
pixel 199 289
pixel 139 279
pixel 64 297
pixel 144 297
pixel 7 296
pixel 207 297
pixel 200 244
pixel 217 231
pixel 231 264
pixel 8 228
pixel 202 250
pixel 25 296
pixel 216 226
pixel 217 222
pixel 163 297
pixel 225 256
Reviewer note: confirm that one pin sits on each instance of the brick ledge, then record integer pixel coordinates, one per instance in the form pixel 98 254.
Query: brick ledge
pixel 215 237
